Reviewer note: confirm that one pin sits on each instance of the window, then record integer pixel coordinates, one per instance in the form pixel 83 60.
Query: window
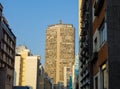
pixel 104 77
pixel 103 33
pixel 96 83
pixel 98 7
pixel 9 78
pixel 95 42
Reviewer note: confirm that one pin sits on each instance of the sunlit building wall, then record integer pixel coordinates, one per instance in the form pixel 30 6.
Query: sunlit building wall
pixel 67 74
pixel 26 68
pixel 32 72
pixel 59 52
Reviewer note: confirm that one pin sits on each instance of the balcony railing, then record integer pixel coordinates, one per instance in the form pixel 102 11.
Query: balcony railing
pixel 83 33
pixel 83 39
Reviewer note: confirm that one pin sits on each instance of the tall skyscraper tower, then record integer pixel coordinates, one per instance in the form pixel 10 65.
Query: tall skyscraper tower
pixel 60 50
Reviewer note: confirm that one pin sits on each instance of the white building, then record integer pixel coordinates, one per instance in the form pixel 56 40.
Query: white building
pixel 26 68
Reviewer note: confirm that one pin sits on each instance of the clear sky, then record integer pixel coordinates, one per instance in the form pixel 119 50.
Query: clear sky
pixel 29 19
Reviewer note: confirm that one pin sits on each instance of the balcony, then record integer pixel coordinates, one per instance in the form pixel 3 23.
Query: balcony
pixel 81 46
pixel 83 32
pixel 84 61
pixel 81 59
pixel 83 25
pixel 87 14
pixel 83 52
pixel 98 7
pixel 87 55
pixel 83 39
pixel 81 66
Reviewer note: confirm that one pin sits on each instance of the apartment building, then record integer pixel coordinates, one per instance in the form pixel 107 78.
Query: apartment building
pixel 60 50
pixel 100 45
pixel 104 54
pixel 7 53
pixel 26 68
pixel 85 45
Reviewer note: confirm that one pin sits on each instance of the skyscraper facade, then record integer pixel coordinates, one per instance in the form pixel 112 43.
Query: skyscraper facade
pixel 7 53
pixel 60 50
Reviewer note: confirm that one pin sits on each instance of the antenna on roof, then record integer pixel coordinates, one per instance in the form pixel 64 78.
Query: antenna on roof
pixel 60 21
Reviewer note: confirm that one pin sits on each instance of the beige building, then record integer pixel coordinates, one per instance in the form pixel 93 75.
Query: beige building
pixel 67 74
pixel 60 50
pixel 26 68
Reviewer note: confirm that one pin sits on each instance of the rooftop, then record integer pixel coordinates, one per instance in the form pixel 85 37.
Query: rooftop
pixel 60 24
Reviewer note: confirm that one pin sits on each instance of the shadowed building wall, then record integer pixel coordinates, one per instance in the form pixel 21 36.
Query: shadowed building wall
pixel 7 53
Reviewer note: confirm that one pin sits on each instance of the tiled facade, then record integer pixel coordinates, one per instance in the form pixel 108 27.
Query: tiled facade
pixel 59 51
pixel 7 53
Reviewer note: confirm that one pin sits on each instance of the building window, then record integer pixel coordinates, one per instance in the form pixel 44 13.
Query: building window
pixel 104 82
pixel 103 33
pixel 95 43
pixel 96 83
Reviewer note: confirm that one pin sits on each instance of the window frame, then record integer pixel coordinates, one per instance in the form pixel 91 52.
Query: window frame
pixel 103 33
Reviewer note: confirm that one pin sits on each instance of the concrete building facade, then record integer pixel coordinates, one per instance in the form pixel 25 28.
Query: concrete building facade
pixel 7 53
pixel 67 74
pixel 41 77
pixel 26 68
pixel 85 45
pixel 60 50
pixel 48 82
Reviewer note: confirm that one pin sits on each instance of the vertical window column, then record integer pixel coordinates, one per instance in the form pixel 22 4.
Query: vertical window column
pixel 103 33
pixel 104 82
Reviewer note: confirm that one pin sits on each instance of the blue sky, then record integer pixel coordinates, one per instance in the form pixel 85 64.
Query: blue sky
pixel 29 19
